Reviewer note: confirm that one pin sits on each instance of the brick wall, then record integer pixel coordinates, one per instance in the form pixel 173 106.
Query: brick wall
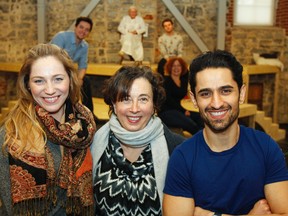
pixel 281 19
pixel 282 15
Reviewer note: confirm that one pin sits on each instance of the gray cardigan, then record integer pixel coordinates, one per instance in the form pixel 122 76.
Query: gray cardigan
pixel 5 188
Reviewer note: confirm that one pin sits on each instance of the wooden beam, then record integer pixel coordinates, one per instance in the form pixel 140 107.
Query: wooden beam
pixel 41 21
pixel 87 10
pixel 221 24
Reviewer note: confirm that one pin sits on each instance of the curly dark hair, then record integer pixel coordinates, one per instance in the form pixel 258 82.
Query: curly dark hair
pixel 118 86
pixel 170 62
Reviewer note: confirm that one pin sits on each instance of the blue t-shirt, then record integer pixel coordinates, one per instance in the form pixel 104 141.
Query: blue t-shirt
pixel 77 52
pixel 231 181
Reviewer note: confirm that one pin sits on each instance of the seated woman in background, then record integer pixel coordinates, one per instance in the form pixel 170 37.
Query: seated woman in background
pixel 46 163
pixel 176 86
pixel 131 151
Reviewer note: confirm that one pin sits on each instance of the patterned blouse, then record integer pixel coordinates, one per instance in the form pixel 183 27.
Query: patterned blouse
pixel 170 46
pixel 125 188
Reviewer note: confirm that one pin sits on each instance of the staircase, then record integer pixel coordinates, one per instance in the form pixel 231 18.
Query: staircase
pixel 269 127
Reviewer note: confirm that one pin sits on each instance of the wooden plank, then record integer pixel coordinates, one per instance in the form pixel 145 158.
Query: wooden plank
pixel 101 109
pixel 93 68
pixel 260 69
pixel 10 67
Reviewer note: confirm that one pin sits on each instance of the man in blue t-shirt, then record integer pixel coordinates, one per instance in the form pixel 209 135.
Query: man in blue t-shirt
pixel 225 168
pixel 77 48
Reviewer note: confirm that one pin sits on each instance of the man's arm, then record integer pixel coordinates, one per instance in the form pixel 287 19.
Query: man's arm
pixel 260 208
pixel 276 203
pixel 180 47
pixel 162 48
pixel 176 205
pixel 121 28
pixel 81 73
pixel 83 63
pixel 142 27
pixel 277 197
pixel 58 40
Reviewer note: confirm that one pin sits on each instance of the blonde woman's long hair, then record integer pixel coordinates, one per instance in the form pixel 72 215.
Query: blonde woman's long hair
pixel 21 126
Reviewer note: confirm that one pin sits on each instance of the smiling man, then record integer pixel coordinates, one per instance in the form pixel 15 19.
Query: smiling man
pixel 170 44
pixel 226 168
pixel 76 46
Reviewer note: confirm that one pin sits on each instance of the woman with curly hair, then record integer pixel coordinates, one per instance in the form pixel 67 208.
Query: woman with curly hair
pixel 176 86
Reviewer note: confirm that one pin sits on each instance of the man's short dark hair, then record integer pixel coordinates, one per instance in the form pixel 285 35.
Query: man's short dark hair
pixel 84 19
pixel 215 59
pixel 167 20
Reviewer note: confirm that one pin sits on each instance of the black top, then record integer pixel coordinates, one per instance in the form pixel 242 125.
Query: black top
pixel 174 93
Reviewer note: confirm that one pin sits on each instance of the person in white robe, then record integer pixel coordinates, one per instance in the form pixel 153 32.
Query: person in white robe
pixel 132 27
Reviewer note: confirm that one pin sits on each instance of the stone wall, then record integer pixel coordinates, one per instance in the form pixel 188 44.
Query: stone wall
pixel 18 29
pixel 283 88
pixel 18 20
pixel 246 41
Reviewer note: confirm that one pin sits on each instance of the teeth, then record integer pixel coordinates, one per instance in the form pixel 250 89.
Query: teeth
pixel 217 113
pixel 133 118
pixel 51 100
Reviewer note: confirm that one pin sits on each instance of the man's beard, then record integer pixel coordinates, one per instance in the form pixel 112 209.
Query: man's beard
pixel 214 124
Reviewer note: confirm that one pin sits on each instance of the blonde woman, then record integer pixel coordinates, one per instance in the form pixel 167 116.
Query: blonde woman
pixel 45 159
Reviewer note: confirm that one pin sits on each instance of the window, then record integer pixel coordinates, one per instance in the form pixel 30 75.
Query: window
pixel 254 12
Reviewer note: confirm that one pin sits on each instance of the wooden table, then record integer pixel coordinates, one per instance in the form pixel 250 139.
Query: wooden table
pixel 246 111
pixel 96 69
pixel 100 109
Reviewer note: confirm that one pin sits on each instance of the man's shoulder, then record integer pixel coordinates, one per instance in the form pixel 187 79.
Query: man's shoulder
pixel 126 17
pixel 163 37
pixel 139 17
pixel 84 42
pixel 251 131
pixel 65 33
pixel 173 36
pixel 63 37
pixel 177 35
pixel 255 137
pixel 193 142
